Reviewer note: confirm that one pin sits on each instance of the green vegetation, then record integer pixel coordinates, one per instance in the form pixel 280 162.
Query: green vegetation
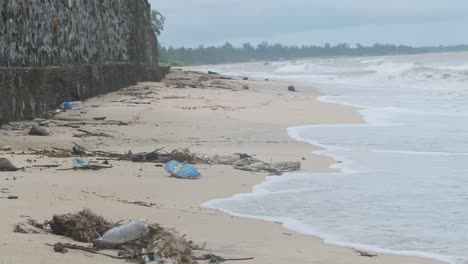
pixel 227 53
pixel 157 21
pixel 171 63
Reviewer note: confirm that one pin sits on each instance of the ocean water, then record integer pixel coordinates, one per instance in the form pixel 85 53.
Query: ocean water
pixel 403 185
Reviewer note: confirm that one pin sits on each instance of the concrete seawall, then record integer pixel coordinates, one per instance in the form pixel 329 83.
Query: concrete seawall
pixel 61 50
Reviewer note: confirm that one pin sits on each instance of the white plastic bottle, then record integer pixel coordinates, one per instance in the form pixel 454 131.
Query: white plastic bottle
pixel 71 105
pixel 125 233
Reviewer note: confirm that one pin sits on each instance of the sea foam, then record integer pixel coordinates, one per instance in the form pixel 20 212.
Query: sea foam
pixel 402 188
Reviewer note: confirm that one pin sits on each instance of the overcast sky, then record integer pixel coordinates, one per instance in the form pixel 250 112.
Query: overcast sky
pixel 413 22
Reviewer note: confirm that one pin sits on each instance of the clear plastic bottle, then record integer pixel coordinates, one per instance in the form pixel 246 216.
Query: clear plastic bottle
pixel 71 105
pixel 125 233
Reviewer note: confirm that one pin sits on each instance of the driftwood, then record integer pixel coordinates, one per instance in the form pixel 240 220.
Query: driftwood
pixel 47 166
pixel 62 248
pixel 101 244
pixel 156 156
pixel 217 259
pixel 87 133
pixel 365 254
pixel 91 166
pixel 11 197
pixel 174 97
pixel 77 123
pixel 116 199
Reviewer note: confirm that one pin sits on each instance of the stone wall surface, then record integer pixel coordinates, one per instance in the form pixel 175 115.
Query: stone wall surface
pixel 57 50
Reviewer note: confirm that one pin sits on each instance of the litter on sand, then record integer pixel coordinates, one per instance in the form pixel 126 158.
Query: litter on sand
pixel 84 226
pixel 182 170
pixel 7 165
pixel 30 227
pixel 255 165
pixel 137 241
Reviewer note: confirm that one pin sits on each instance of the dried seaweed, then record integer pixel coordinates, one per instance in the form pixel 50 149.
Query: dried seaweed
pixel 84 226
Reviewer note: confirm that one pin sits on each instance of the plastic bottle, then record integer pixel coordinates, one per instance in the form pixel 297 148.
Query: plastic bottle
pixel 71 105
pixel 125 233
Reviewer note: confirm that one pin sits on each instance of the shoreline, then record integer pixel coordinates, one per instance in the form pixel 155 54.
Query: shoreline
pixel 205 119
pixel 333 168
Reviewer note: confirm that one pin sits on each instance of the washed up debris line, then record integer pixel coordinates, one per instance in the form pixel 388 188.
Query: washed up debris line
pixel 239 161
pixel 136 241
pixel 156 156
pixel 116 199
pixel 202 81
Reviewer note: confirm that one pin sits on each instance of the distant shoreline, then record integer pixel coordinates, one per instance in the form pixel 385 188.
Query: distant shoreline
pixel 228 54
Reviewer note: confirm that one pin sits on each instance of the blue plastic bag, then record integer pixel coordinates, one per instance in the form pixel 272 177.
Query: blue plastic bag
pixel 79 162
pixel 183 171
pixel 171 165
pixel 187 171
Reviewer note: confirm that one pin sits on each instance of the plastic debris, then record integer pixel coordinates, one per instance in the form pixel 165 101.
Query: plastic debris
pixel 29 227
pixel 226 159
pixel 188 171
pixel 6 165
pixel 71 105
pixel 182 170
pixel 251 164
pixel 136 242
pixel 286 166
pixel 125 233
pixel 79 162
pixel 171 165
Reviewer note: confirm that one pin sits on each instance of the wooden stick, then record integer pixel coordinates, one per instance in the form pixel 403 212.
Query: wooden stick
pixel 82 248
pixel 47 166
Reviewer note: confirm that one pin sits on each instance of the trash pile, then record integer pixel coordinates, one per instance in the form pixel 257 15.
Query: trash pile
pixel 136 241
pixel 181 160
pixel 248 163
pixel 84 226
pixel 239 161
pixel 277 168
pixel 156 156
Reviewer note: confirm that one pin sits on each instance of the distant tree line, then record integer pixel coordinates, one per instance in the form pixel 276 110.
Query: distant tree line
pixel 228 53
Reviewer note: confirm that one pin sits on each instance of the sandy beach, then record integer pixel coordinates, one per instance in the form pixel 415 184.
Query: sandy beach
pixel 218 117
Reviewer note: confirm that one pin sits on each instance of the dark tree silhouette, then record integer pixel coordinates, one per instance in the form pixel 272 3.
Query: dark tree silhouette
pixel 228 53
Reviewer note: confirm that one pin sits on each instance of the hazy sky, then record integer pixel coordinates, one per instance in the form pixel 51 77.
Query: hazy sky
pixel 414 22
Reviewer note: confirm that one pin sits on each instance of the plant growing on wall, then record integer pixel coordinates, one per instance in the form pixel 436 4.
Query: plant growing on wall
pixel 157 21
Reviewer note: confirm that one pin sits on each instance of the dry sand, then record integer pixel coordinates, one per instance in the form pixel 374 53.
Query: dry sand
pixel 206 120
